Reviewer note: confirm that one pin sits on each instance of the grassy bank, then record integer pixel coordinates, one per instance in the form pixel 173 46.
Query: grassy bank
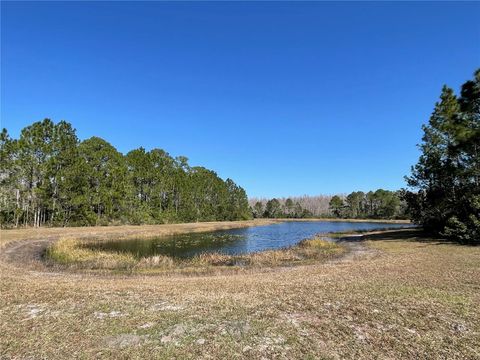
pixel 406 297
pixel 72 254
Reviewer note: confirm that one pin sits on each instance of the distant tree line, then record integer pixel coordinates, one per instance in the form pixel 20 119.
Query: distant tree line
pixel 275 208
pixel 316 205
pixel 379 204
pixel 49 177
pixel 445 183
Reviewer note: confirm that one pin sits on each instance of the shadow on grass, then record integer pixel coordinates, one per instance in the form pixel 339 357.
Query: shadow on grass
pixel 415 235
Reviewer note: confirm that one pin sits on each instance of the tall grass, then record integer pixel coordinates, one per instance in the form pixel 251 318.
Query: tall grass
pixel 70 253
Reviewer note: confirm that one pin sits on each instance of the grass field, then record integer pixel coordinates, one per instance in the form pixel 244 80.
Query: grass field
pixel 400 295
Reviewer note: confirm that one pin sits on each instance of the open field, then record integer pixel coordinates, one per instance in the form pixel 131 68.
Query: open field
pixel 401 296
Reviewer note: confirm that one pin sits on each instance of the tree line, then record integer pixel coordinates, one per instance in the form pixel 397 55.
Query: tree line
pixel 275 208
pixel 49 177
pixel 444 193
pixel 316 205
pixel 379 204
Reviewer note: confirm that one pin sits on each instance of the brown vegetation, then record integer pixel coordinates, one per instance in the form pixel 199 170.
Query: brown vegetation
pixel 71 254
pixel 406 297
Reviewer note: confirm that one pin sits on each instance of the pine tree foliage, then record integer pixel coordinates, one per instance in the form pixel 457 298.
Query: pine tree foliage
pixel 447 175
pixel 49 178
pixel 379 204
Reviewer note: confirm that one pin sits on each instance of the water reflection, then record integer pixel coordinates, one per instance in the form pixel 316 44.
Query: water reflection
pixel 235 241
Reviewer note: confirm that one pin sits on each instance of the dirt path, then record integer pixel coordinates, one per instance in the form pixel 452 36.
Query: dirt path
pixel 24 252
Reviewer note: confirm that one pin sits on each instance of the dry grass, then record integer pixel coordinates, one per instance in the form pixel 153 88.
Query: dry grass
pixel 407 298
pixel 68 253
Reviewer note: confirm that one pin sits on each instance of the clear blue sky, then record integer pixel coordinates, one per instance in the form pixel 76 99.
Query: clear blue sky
pixel 284 98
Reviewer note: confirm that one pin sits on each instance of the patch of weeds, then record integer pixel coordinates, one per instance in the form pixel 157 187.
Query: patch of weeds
pixel 73 254
pixel 67 252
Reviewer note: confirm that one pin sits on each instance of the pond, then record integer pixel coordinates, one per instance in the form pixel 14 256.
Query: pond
pixel 235 241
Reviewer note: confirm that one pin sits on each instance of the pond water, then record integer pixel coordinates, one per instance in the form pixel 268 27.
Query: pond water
pixel 235 241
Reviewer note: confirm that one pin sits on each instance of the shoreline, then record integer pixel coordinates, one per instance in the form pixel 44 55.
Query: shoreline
pixel 220 225
pixel 47 235
pixel 27 246
pixel 53 233
pixel 384 221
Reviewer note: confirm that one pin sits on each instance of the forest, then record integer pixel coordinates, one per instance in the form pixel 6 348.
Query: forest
pixel 379 204
pixel 49 177
pixel 275 208
pixel 293 206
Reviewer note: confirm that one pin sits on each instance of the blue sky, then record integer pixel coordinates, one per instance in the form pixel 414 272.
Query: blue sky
pixel 284 98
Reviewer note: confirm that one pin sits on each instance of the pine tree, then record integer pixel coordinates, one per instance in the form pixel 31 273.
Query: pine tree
pixel 336 205
pixel 447 173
